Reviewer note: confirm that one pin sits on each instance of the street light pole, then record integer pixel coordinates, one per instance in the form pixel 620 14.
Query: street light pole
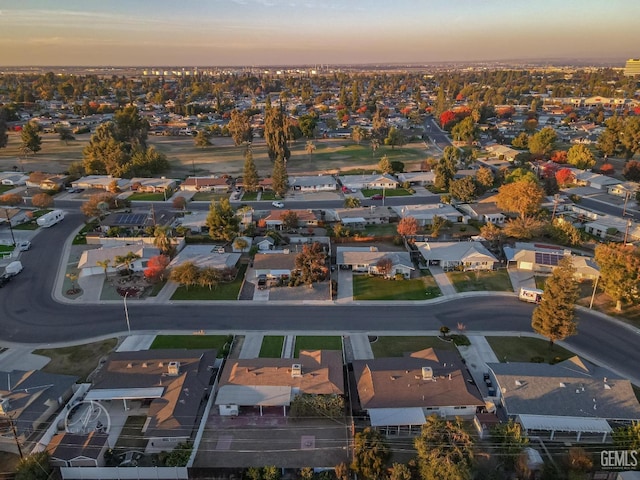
pixel 126 312
pixel 593 295
pixel 626 232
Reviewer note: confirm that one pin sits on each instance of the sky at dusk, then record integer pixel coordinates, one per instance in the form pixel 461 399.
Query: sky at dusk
pixel 308 32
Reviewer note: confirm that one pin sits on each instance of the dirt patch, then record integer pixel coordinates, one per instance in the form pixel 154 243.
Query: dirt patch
pixel 79 361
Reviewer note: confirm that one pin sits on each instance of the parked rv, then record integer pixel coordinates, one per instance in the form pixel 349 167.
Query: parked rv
pixel 51 218
pixel 531 295
pixel 13 269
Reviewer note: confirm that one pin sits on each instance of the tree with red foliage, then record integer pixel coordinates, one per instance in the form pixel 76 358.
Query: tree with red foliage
pixel 505 112
pixel 636 110
pixel 607 169
pixel 459 97
pixel 407 226
pixel 447 118
pixel 362 110
pixel 559 156
pixel 564 176
pixel 156 268
pixel 631 171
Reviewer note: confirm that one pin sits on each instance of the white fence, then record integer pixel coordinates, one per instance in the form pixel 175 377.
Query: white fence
pixel 124 473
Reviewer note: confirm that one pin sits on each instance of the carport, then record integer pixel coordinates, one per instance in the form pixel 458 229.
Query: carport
pixel 253 395
pixel 577 425
pixel 390 420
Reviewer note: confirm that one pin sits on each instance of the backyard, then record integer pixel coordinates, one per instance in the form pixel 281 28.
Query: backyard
pixel 79 360
pixel 317 343
pixel 478 281
pixel 527 349
pixel 398 346
pixel 367 287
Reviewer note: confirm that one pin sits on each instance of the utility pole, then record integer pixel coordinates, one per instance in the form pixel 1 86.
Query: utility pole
pixel 14 431
pixel 556 198
pixel 626 232
pixel 13 239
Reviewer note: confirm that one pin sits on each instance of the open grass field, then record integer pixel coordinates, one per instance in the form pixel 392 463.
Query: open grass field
pixel 190 342
pixel 497 281
pixel 398 346
pixel 317 343
pixel 79 361
pixel 377 288
pixel 223 156
pixel 524 349
pixel 272 346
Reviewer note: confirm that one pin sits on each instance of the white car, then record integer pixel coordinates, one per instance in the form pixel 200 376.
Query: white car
pixel 278 204
pixel 24 246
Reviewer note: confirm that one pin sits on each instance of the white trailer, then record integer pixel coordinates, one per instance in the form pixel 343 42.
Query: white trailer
pixel 531 295
pixel 51 218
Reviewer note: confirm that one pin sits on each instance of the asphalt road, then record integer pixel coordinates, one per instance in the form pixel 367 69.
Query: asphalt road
pixel 438 137
pixel 29 314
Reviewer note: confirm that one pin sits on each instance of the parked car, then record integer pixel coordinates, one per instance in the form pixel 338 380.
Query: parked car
pixel 24 246
pixel 262 282
pixel 377 196
pixel 277 204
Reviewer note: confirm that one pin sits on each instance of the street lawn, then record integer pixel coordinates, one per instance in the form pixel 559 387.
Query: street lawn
pixel 366 287
pixel 224 291
pixel 317 343
pixel 190 342
pixel 79 360
pixel 249 196
pixel 271 346
pixel 496 280
pixel 384 229
pixel 525 349
pixel 30 225
pixel 131 437
pixel 147 197
pixel 388 192
pixel 398 346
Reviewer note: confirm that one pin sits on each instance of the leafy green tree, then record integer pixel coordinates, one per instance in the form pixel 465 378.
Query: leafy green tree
pixel 131 128
pixel 162 240
pixel 555 316
pixel 271 472
pixel 400 471
pixel 619 272
pixel 126 260
pixel 492 233
pixel 310 147
pixel 202 139
pixel 275 133
pixel 222 221
pixel 446 168
pixel 465 131
pixel 351 202
pixel 519 174
pixel 370 454
pixel 394 138
pixel 522 197
pixel 310 262
pixel 179 456
pixel 565 233
pixel 240 127
pixel 445 450
pixel 249 173
pixel 384 165
pixel 34 467
pixel 280 177
pixel 104 154
pixel 631 171
pixel 510 442
pixel 186 274
pixel 581 157
pixel 627 437
pixel 342 471
pixel 437 224
pixel 521 141
pixel 308 124
pixel 65 134
pixel 464 189
pixel 208 277
pixel 30 136
pixel 358 134
pixel 542 143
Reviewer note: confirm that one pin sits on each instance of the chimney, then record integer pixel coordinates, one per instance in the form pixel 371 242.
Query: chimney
pixel 427 373
pixel 173 369
pixel 296 370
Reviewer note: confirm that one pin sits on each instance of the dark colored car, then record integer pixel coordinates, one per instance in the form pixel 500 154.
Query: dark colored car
pixel 377 196
pixel 262 282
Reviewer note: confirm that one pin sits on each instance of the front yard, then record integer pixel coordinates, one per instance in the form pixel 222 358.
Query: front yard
pixel 192 342
pixel 224 291
pixel 389 192
pixel 317 343
pixel 479 281
pixel 148 197
pixel 398 346
pixel 272 346
pixel 367 287
pixel 527 349
pixel 80 360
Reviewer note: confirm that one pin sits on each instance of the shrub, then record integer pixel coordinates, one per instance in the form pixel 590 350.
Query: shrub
pixel 537 359
pixel 460 340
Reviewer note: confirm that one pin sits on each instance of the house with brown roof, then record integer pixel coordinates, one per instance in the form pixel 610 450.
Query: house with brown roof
pixel 206 184
pixel 260 383
pixel 306 218
pixel 399 393
pixel 173 383
pixel 274 264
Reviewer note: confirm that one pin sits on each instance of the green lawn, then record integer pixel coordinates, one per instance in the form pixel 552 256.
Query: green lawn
pixel 382 230
pixel 389 192
pixel 540 281
pixel 191 342
pixel 317 343
pixel 81 236
pixel 377 288
pixel 268 196
pixel 249 196
pixel 524 349
pixel 208 196
pixel 272 346
pixel 224 291
pixel 131 437
pixel 497 280
pixel 6 188
pixel 398 346
pixel 79 360
pixel 6 248
pixel 344 153
pixel 147 197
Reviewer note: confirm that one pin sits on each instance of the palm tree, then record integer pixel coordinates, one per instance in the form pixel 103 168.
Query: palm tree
pixel 310 148
pixel 375 144
pixel 104 264
pixel 162 240
pixel 72 277
pixel 127 260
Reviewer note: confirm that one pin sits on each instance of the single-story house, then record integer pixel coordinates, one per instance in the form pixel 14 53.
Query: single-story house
pixel 13 179
pixel 138 220
pixel 399 393
pixel 55 183
pixel 99 182
pixel 484 212
pixel 310 183
pixel 196 222
pixel 539 257
pixel 417 178
pixel 174 383
pixel 451 255
pixel 89 259
pixel 593 180
pixel 306 218
pixel 264 243
pixel 206 184
pixel 274 264
pixel 606 223
pixel 359 217
pixel 205 256
pixel 77 450
pixel 152 185
pixel 266 184
pixel 626 190
pixel 571 400
pixel 30 398
pixel 355 182
pixel 275 382
pixel 502 152
pixel 424 213
pixel 366 259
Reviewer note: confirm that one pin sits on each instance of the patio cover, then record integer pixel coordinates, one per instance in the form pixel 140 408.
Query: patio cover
pixel 565 424
pixel 382 417
pixel 250 395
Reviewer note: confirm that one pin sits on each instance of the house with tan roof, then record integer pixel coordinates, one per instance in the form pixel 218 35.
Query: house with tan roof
pixel 274 264
pixel 306 218
pixel 398 393
pixel 260 383
pixel 452 255
pixel 89 259
pixel 206 184
pixel 544 258
pixel 367 260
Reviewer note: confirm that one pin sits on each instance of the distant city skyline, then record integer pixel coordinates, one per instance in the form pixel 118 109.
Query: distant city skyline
pixel 308 32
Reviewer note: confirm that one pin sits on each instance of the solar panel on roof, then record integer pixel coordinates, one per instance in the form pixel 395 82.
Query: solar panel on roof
pixel 550 259
pixel 131 218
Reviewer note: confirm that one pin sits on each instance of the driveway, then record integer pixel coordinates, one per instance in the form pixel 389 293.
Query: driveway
pixel 345 286
pixel 446 287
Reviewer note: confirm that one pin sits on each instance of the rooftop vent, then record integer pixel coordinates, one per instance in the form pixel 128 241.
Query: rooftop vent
pixel 144 365
pixel 129 365
pixel 607 386
pixel 173 368
pixel 563 385
pixel 296 370
pixel 519 383
pixel 427 373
